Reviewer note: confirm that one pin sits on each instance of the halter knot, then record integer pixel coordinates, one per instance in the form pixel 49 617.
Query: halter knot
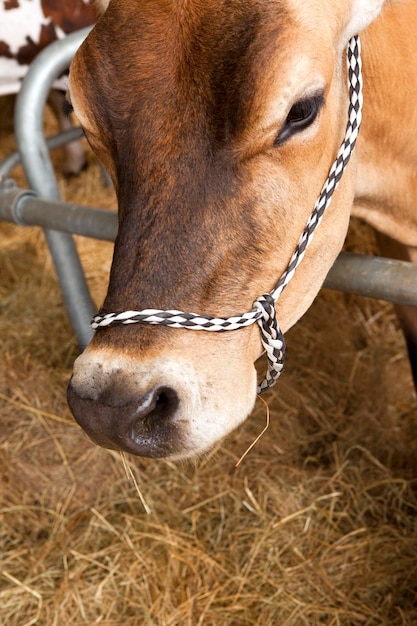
pixel 272 339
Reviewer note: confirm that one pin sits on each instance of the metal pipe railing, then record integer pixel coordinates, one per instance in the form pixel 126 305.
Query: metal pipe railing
pixel 375 277
pixel 34 154
pixel 25 208
pixel 56 141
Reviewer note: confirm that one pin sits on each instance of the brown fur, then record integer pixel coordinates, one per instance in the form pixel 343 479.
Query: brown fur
pixel 183 101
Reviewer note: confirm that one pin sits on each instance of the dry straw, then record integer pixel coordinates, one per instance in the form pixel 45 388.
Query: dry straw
pixel 317 525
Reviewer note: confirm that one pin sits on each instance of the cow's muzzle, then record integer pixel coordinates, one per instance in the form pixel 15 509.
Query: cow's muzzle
pixel 162 405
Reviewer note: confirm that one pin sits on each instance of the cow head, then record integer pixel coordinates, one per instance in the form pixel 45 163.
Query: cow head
pixel 218 121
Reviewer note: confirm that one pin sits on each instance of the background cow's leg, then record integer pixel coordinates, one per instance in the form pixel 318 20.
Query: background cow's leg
pixel 407 315
pixel 75 160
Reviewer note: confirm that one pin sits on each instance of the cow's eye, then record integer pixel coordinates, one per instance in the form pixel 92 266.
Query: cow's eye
pixel 301 115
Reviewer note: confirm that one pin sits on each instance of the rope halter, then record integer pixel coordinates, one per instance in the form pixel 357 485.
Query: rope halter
pixel 263 311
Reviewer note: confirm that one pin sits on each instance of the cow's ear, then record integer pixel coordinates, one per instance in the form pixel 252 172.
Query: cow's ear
pixel 363 12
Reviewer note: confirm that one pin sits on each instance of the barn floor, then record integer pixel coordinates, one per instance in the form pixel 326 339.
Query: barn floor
pixel 317 526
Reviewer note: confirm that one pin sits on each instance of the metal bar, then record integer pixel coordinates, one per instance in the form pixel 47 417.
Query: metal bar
pixel 51 63
pixel 56 141
pixel 30 104
pixel 375 277
pixel 23 207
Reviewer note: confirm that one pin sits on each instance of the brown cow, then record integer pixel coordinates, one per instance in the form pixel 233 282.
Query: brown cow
pixel 218 121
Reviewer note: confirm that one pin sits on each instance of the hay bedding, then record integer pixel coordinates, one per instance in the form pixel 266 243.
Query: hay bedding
pixel 317 525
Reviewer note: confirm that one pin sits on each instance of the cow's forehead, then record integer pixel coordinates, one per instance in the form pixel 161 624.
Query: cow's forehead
pixel 212 38
pixel 321 14
pixel 187 17
pixel 222 53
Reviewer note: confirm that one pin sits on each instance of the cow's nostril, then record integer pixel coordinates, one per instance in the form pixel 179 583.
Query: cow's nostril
pixel 166 402
pixel 142 424
pixel 153 414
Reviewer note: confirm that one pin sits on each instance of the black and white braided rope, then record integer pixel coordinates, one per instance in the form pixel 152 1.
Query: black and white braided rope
pixel 263 311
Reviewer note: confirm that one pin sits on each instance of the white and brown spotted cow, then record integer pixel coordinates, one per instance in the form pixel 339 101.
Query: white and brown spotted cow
pixel 218 121
pixel 26 28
